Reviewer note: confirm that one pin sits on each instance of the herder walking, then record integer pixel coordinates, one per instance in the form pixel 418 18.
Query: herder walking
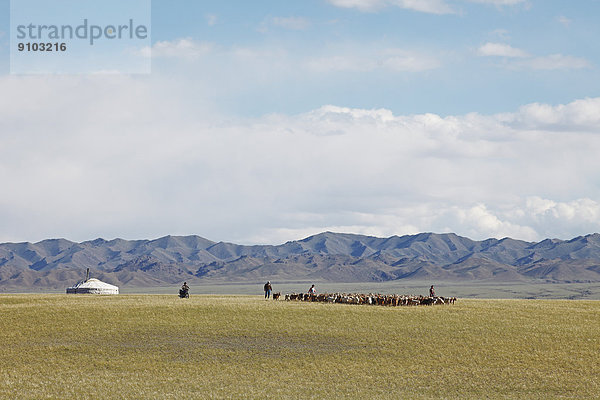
pixel 268 290
pixel 431 291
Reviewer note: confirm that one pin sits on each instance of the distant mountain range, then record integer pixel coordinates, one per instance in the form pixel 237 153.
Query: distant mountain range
pixel 334 257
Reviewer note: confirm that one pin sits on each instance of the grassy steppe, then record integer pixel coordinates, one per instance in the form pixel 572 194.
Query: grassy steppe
pixel 152 346
pixel 474 289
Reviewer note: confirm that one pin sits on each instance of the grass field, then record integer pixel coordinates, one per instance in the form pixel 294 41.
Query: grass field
pixel 473 290
pixel 467 289
pixel 156 346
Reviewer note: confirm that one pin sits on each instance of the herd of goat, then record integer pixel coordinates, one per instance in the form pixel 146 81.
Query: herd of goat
pixel 368 299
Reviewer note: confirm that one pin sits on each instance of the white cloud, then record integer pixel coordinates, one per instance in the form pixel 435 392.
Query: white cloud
pixel 555 62
pixel 353 57
pixel 363 60
pixel 341 63
pixel 501 50
pixel 363 5
pixel 146 156
pixel 292 23
pixel 576 116
pixel 500 33
pixel 211 19
pixel 564 20
pixel 398 60
pixel 426 6
pixel 500 2
pixel 482 222
pixel 179 48
pixel 528 61
pixel 582 210
pixel 584 213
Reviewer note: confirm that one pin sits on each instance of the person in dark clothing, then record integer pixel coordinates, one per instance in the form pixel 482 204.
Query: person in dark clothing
pixel 184 291
pixel 431 291
pixel 268 289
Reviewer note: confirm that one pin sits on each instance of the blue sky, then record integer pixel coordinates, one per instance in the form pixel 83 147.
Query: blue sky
pixel 266 121
pixel 461 81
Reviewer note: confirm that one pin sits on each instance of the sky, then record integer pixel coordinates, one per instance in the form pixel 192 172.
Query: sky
pixel 268 121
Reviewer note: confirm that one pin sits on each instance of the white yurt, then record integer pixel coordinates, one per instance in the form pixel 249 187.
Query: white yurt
pixel 92 286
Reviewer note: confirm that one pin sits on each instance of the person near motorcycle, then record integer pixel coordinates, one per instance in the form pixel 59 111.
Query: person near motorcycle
pixel 183 292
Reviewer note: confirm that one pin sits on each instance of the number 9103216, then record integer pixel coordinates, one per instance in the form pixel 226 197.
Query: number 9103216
pixel 42 46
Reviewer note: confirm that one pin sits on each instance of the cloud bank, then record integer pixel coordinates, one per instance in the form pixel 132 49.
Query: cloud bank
pixel 137 157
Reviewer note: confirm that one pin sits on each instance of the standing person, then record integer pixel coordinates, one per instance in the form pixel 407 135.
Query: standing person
pixel 431 291
pixel 312 290
pixel 268 289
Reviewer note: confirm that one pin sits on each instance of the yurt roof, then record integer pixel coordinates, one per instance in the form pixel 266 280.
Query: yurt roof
pixel 94 283
pixel 93 286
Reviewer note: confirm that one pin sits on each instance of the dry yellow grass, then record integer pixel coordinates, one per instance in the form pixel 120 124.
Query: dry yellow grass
pixel 55 346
